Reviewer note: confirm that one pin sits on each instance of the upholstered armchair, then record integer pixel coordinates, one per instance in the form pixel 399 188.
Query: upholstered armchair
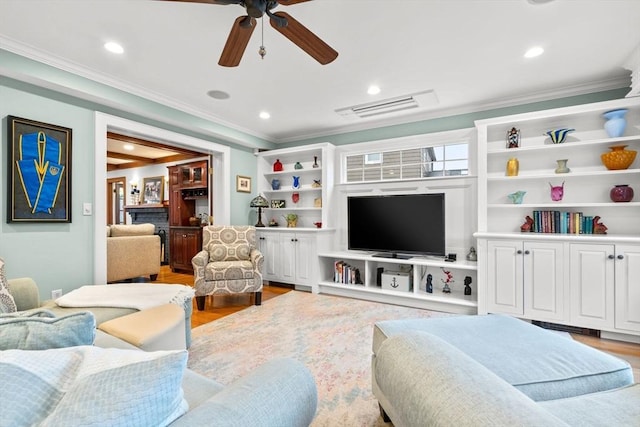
pixel 229 263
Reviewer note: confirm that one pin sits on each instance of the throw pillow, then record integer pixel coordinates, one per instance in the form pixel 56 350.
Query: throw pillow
pixel 91 386
pixel 238 252
pixel 41 330
pixel 7 303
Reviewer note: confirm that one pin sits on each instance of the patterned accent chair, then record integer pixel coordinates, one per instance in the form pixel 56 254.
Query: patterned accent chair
pixel 229 263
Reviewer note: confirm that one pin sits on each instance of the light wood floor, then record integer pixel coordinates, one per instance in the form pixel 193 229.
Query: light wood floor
pixel 220 306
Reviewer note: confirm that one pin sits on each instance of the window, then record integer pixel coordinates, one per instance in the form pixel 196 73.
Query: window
pixel 413 163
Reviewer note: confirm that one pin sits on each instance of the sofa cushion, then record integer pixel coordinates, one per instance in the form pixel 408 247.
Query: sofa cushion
pixel 541 364
pixel 41 330
pixel 91 386
pixel 229 270
pixel 120 230
pixel 239 252
pixel 7 303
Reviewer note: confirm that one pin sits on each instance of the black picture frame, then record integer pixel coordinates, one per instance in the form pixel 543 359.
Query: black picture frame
pixel 39 172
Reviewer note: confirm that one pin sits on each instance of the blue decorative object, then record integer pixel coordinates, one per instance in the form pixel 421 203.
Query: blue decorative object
pixel 296 182
pixel 616 122
pixel 275 184
pixel 429 288
pixel 558 135
pixel 516 198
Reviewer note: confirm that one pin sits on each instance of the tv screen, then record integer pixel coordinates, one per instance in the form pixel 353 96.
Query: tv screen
pixel 411 224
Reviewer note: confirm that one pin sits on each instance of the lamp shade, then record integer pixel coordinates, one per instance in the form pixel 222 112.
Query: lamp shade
pixel 259 202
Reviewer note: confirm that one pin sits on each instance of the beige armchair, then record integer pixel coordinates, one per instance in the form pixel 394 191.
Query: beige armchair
pixel 229 263
pixel 132 251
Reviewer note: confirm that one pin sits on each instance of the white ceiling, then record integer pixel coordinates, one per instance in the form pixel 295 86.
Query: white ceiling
pixel 469 52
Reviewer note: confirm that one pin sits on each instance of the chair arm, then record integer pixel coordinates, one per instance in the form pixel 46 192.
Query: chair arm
pixel 25 293
pixel 200 259
pixel 282 392
pixel 257 259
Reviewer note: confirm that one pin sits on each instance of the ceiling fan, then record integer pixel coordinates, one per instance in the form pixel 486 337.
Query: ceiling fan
pixel 284 23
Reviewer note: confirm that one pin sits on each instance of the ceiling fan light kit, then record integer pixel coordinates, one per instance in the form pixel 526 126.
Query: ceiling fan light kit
pixel 284 23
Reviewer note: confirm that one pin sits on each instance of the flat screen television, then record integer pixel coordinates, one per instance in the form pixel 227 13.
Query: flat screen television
pixel 397 226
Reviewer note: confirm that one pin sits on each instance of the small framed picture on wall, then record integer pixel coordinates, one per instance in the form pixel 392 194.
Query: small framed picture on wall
pixel 243 184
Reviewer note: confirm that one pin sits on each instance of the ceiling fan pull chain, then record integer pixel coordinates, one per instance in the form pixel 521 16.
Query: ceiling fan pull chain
pixel 262 51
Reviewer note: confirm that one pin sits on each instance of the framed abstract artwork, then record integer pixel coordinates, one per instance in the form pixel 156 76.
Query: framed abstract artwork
pixel 39 171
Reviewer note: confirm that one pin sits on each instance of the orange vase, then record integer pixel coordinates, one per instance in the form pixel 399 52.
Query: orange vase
pixel 619 158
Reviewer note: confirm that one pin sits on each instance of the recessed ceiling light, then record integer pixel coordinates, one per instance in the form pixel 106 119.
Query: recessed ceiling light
pixel 218 94
pixel 114 47
pixel 264 115
pixel 373 90
pixel 128 147
pixel 533 52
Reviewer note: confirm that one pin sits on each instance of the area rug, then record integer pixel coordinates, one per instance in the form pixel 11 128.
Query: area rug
pixel 331 335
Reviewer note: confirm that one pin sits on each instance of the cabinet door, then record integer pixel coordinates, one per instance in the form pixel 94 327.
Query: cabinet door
pixel 592 285
pixel 199 174
pixel 269 246
pixel 627 288
pixel 185 244
pixel 287 255
pixel 543 281
pixel 504 277
pixel 306 258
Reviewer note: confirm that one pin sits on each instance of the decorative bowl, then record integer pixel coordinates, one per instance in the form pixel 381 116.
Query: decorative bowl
pixel 559 135
pixel 618 158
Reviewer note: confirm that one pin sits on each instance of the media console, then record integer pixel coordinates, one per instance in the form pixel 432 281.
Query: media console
pixel 367 265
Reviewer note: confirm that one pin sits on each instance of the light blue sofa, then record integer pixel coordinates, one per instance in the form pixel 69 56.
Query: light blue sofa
pixel 496 371
pixel 279 393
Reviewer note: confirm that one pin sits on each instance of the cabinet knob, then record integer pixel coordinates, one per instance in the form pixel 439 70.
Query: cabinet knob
pixel 620 256
pixel 261 238
pixel 527 252
pixel 610 257
pixel 519 252
pixel 184 235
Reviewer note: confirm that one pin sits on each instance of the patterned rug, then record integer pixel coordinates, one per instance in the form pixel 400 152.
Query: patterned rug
pixel 330 335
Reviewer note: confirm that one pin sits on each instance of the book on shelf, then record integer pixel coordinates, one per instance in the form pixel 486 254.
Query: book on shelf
pixel 562 222
pixel 346 274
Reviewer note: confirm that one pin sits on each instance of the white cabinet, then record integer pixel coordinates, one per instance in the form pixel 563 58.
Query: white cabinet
pixel 369 268
pixel 587 280
pixel 592 285
pixel 526 279
pixel 627 273
pixel 290 256
pixel 605 286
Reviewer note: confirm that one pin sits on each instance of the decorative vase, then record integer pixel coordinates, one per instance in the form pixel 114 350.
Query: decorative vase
pixel 516 198
pixel 275 184
pixel 562 166
pixel 296 182
pixel 618 158
pixel 315 162
pixel 513 167
pixel 295 197
pixel 621 193
pixel 559 135
pixel 616 122
pixel 277 166
pixel 298 165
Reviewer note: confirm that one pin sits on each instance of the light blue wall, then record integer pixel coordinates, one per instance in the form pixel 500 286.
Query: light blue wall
pixel 60 256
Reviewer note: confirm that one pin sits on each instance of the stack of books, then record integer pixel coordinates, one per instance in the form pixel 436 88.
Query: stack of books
pixel 346 274
pixel 562 222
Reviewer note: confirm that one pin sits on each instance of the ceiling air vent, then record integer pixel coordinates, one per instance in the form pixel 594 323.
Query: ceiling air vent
pixel 391 105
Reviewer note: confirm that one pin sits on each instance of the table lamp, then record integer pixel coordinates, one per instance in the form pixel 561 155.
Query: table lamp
pixel 259 202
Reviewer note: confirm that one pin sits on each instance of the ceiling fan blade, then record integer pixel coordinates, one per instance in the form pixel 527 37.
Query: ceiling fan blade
pixel 290 2
pixel 237 41
pixel 304 39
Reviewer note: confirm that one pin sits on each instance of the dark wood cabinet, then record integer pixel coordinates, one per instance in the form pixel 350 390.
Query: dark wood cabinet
pixel 194 175
pixel 180 210
pixel 185 242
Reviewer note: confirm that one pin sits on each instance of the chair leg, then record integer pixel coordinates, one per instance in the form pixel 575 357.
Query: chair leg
pixel 200 302
pixel 153 277
pixel 383 414
pixel 258 300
